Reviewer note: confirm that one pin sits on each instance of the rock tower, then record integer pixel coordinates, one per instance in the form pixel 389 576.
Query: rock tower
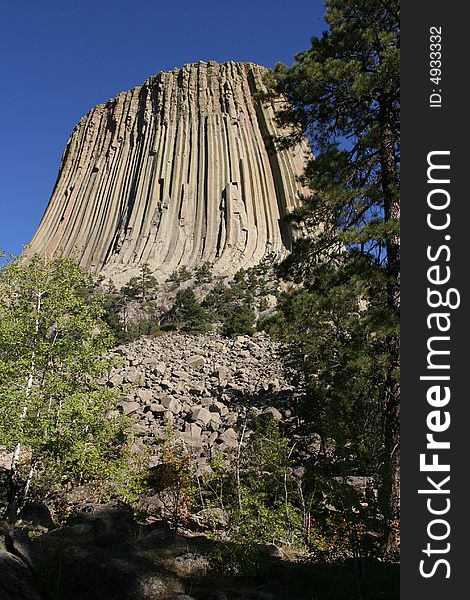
pixel 178 171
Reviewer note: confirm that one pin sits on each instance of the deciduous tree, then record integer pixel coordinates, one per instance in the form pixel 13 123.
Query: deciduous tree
pixel 51 411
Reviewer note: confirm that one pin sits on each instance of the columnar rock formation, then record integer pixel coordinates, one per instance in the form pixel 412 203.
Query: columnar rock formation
pixel 178 171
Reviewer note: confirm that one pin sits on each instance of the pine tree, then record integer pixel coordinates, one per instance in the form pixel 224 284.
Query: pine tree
pixel 142 285
pixel 344 94
pixel 239 319
pixel 187 314
pixel 203 274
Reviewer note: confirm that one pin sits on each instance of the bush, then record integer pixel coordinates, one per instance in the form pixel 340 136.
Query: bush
pixel 258 492
pixel 239 321
pixel 173 480
pixel 187 314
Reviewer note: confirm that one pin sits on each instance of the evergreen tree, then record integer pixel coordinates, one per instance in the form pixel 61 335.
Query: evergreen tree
pixel 239 320
pixel 217 301
pixel 142 285
pixel 187 314
pixel 344 94
pixel 203 274
pixel 114 304
pixel 180 275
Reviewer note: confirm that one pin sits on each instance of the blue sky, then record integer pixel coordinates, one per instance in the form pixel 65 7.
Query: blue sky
pixel 59 58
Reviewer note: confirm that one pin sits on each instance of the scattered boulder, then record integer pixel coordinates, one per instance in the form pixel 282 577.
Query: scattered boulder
pixel 222 373
pixel 195 362
pixel 199 385
pixel 270 413
pixel 211 517
pixel 193 429
pixel 115 380
pixel 272 551
pixel 201 415
pixel 191 564
pixel 16 580
pixel 228 436
pixel 171 404
pixel 36 513
pixel 218 407
pixel 145 395
pixel 129 407
pixel 133 376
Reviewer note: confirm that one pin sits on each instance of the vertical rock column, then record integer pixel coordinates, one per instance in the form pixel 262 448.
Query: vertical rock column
pixel 178 171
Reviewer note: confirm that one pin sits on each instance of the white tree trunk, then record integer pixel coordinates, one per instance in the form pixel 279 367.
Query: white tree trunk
pixel 24 413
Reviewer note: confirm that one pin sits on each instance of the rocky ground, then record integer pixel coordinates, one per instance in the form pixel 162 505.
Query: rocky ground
pixel 205 388
pixel 104 554
pixel 209 391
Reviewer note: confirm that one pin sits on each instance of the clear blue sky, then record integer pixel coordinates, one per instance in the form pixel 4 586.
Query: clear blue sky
pixel 59 58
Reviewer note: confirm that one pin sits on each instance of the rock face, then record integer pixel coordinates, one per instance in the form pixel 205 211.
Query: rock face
pixel 178 171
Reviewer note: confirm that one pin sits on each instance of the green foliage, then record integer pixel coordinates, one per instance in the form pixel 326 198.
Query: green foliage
pixel 258 491
pixel 74 437
pixel 345 522
pixel 114 305
pixel 203 273
pixel 173 479
pixel 187 314
pixel 249 284
pixel 132 289
pixel 118 304
pixel 180 275
pixel 337 349
pixel 345 95
pixel 51 343
pixel 268 511
pixel 133 331
pixel 234 304
pixel 341 330
pixel 141 286
pixel 216 301
pixel 240 321
pixel 268 499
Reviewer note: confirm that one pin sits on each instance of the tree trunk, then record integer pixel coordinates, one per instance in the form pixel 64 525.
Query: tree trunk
pixel 15 493
pixel 390 181
pixel 392 484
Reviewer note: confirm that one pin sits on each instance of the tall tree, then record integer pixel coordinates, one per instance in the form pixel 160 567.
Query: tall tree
pixel 142 285
pixel 52 414
pixel 344 95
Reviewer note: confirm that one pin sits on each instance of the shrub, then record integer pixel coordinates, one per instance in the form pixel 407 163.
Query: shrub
pixel 239 320
pixel 187 314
